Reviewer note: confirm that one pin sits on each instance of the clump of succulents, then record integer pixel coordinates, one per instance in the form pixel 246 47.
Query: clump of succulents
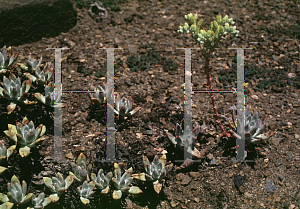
pixel 102 181
pixel 253 126
pixel 32 65
pixel 186 138
pixel 50 99
pixel 155 171
pixel 86 191
pixel 5 154
pixel 7 59
pixel 16 192
pixel 81 170
pixel 124 106
pixel 41 76
pixel 100 94
pixel 57 184
pixel 122 183
pixel 40 201
pixel 26 135
pixel 14 92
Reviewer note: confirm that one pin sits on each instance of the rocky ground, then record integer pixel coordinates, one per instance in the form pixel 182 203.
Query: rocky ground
pixel 148 29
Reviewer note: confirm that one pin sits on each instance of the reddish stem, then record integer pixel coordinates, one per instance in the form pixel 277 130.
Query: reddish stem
pixel 213 98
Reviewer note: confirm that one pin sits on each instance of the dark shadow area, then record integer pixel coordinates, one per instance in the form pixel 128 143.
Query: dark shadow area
pixel 30 23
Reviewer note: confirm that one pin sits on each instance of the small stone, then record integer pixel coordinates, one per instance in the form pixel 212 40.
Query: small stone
pixel 200 60
pixel 272 99
pixel 128 82
pixel 292 75
pixel 132 49
pixel 195 174
pixel 275 141
pixel 148 132
pixel 174 203
pixel 275 58
pixel 213 161
pixel 247 194
pixel 270 187
pixel 238 181
pixel 185 180
pixel 280 177
pixel 210 156
pixel 254 97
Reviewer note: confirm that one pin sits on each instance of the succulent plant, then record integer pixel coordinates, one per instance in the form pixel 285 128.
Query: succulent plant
pixel 155 171
pixel 14 92
pixel 253 126
pixel 122 183
pixel 100 94
pixel 26 135
pixel 41 202
pixel 42 76
pixel 185 138
pixel 7 59
pixel 5 153
pixel 57 184
pixel 124 106
pixel 16 192
pixel 102 181
pixel 49 99
pixel 86 191
pixel 32 65
pixel 81 169
pixel 7 205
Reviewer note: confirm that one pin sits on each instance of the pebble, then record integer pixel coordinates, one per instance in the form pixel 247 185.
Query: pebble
pixel 238 180
pixel 292 75
pixel 270 187
pixel 213 161
pixel 254 97
pixel 275 58
pixel 247 194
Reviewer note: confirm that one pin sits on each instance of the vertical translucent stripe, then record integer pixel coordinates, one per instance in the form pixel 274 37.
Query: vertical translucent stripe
pixel 188 97
pixel 240 143
pixel 110 145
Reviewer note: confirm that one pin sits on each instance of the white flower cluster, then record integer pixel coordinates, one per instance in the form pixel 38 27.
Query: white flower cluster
pixel 208 39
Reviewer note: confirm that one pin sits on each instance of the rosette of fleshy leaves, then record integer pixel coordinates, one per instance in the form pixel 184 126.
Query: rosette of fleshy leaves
pixel 41 201
pixel 5 154
pixel 57 184
pixel 7 59
pixel 100 94
pixel 36 71
pixel 7 205
pixel 16 192
pixel 32 65
pixel 209 39
pixel 86 191
pixel 15 92
pixel 123 182
pixel 253 126
pixel 26 135
pixel 124 106
pixel 185 139
pixel 81 170
pixel 50 98
pixel 102 181
pixel 155 171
